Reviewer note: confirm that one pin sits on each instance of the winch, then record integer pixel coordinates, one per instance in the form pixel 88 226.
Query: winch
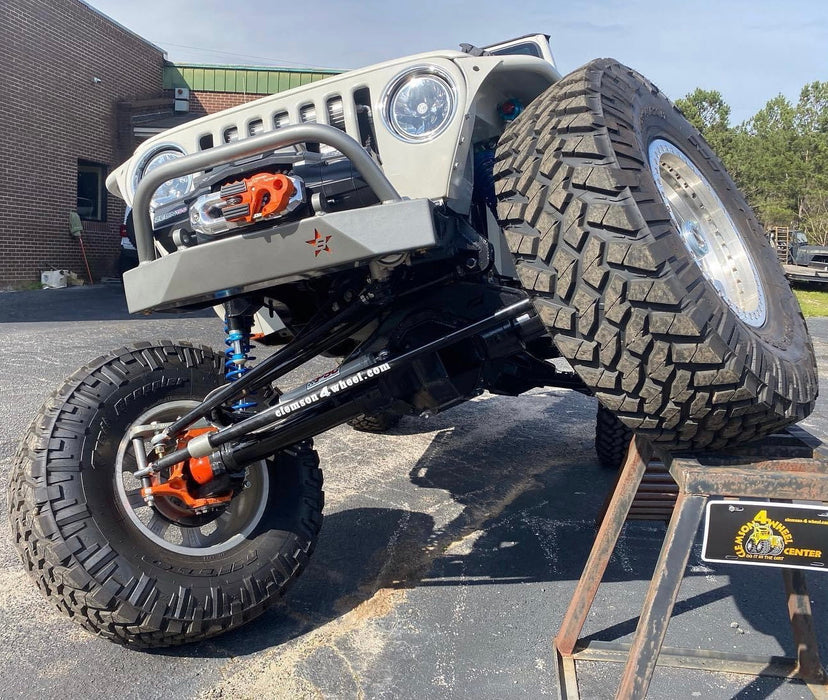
pixel 257 198
pixel 262 189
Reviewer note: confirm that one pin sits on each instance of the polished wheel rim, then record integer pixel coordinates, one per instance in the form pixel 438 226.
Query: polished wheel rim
pixel 168 525
pixel 708 232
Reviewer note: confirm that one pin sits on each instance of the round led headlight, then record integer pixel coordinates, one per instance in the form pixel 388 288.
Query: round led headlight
pixel 418 105
pixel 171 189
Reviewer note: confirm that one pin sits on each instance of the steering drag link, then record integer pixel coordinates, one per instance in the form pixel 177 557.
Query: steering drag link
pixel 306 405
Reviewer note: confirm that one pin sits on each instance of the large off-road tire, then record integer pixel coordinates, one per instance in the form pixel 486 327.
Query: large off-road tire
pixel 612 439
pixel 111 562
pixel 677 317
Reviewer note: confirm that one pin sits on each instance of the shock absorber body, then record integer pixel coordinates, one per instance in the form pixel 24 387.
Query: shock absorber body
pixel 237 325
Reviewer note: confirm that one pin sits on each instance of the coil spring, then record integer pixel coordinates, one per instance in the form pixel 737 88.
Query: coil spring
pixel 236 357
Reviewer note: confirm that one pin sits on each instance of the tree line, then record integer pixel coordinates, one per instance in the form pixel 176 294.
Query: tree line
pixel 778 157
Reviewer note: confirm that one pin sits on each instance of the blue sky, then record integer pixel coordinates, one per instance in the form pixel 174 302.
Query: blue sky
pixel 749 51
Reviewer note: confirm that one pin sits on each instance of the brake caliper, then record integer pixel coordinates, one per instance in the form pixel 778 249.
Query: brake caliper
pixel 256 197
pixel 185 478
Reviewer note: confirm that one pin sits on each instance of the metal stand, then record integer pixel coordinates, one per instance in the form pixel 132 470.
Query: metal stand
pixel 788 468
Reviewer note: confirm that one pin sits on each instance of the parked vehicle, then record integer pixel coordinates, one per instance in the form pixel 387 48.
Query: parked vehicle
pixel 802 261
pixel 446 224
pixel 128 255
pixel 793 248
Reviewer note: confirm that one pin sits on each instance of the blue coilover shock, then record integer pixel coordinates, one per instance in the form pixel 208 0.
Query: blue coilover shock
pixel 237 355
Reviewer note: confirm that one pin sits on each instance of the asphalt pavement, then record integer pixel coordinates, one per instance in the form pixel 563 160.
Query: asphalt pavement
pixel 448 554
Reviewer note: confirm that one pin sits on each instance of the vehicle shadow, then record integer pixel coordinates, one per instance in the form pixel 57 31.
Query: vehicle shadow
pixel 526 520
pixel 526 502
pixel 363 551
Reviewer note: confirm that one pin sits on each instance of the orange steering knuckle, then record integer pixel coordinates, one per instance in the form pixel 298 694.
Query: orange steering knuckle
pixel 177 484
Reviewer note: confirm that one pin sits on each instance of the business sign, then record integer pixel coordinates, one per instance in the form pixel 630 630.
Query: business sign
pixel 763 533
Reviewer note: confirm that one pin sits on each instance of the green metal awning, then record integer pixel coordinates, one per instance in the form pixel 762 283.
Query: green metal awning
pixel 256 80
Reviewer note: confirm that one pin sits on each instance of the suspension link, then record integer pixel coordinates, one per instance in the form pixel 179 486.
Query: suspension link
pixel 348 380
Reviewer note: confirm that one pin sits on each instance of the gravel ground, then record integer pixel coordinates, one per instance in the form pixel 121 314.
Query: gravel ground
pixel 449 551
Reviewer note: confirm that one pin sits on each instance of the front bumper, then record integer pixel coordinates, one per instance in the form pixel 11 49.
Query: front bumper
pixel 318 245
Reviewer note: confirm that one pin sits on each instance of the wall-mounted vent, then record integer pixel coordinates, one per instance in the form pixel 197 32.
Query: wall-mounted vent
pixel 182 99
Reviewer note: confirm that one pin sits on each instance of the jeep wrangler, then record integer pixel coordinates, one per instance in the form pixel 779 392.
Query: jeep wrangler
pixel 445 224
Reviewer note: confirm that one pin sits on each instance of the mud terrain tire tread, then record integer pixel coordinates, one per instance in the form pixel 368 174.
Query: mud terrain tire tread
pixel 615 286
pixel 73 561
pixel 612 439
pixel 375 422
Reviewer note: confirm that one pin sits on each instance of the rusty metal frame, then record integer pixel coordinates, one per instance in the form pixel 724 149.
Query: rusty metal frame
pixel 784 466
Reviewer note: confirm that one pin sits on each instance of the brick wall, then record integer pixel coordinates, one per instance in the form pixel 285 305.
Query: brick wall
pixel 53 114
pixel 202 103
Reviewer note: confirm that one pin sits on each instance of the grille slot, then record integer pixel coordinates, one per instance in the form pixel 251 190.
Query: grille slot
pixel 336 112
pixel 307 113
pixel 365 120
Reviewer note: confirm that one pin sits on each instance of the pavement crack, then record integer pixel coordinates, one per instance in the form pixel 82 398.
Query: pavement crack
pixel 351 670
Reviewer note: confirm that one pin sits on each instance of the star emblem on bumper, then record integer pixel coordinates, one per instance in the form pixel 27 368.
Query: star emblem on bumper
pixel 319 243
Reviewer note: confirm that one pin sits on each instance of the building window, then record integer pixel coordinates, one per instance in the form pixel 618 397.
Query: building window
pixel 91 191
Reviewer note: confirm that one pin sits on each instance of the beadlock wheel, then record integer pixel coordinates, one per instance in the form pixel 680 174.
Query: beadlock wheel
pixel 171 524
pixel 708 232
